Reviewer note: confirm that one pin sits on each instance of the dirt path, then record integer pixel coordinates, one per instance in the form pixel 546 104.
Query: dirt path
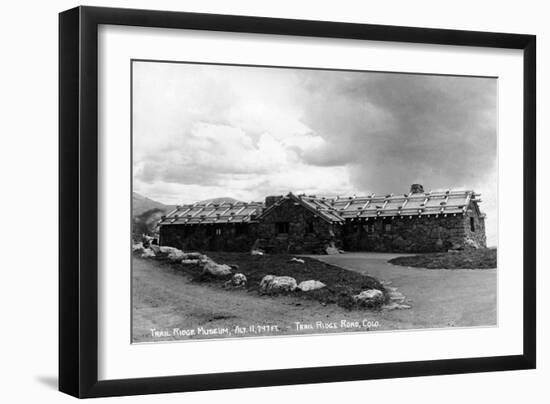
pixel 167 305
pixel 165 299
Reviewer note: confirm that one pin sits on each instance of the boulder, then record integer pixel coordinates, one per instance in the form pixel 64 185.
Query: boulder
pixel 138 248
pixel 167 250
pixel 171 253
pixel 204 259
pixel 310 285
pixel 266 280
pixel 369 298
pixel 216 270
pixel 277 284
pixel 237 280
pixel 331 250
pixel 297 260
pixel 147 253
pixel 155 248
pixel 190 262
pixel 193 256
pixel 257 252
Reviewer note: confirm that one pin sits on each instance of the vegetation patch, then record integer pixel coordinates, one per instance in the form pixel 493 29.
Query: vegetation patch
pixel 484 258
pixel 341 284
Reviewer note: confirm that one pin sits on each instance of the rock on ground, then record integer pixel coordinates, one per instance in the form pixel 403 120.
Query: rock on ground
pixel 237 280
pixel 256 252
pixel 297 260
pixel 147 253
pixel 331 250
pixel 190 262
pixel 369 298
pixel 173 254
pixel 193 256
pixel 216 270
pixel 138 248
pixel 277 284
pixel 307 286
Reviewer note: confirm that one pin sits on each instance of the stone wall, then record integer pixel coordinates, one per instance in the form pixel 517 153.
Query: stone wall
pixel 306 233
pixel 210 237
pixel 478 233
pixel 418 234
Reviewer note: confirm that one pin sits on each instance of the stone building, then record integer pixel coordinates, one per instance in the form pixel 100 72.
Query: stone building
pixel 299 224
pixel 414 222
pixel 209 226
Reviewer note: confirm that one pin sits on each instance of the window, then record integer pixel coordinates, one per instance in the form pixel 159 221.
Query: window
pixel 309 227
pixel 218 231
pixel 369 228
pixel 282 227
pixel 387 225
pixel 472 224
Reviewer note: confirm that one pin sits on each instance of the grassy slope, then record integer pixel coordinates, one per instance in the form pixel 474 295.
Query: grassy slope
pixel 341 284
pixel 142 204
pixel 468 259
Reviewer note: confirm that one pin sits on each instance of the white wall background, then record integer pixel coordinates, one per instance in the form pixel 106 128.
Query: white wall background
pixel 28 174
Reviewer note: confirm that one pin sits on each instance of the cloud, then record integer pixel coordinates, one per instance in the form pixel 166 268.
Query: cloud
pixel 395 129
pixel 202 131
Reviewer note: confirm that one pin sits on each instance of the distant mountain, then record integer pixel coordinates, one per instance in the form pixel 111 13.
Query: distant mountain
pixel 142 204
pixel 221 200
pixel 147 213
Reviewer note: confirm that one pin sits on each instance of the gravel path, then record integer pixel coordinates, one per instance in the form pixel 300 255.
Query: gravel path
pixel 439 298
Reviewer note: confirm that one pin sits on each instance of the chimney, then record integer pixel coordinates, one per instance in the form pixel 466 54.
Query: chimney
pixel 417 189
pixel 272 199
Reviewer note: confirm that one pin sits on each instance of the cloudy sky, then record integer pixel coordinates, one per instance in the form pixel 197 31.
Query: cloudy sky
pixel 205 131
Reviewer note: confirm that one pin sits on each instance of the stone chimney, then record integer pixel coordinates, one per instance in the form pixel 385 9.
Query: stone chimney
pixel 417 189
pixel 272 199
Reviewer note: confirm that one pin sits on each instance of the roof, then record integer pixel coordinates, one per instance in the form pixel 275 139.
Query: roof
pixel 333 210
pixel 340 209
pixel 412 204
pixel 318 206
pixel 212 212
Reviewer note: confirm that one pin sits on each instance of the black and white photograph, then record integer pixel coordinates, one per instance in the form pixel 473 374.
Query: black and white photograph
pixel 274 201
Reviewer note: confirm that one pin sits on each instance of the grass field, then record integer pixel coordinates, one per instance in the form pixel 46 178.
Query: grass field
pixel 468 259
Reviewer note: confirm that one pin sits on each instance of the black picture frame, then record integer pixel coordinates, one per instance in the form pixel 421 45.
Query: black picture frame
pixel 78 200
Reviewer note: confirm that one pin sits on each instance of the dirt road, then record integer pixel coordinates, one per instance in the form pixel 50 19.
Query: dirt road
pixel 439 298
pixel 167 305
